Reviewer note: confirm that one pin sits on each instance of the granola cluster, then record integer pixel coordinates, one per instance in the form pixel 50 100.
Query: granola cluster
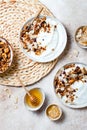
pixel 65 78
pixel 30 33
pixel 5 56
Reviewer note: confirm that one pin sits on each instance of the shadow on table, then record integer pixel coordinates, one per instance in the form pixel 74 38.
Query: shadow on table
pixel 61 119
pixel 43 108
pixel 80 109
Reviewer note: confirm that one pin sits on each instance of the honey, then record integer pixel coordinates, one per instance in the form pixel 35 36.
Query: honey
pixel 38 94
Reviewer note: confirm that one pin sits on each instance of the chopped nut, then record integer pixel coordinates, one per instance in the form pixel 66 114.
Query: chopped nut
pixel 69 66
pixel 16 100
pixel 9 55
pixel 71 81
pixel 6 50
pixel 8 91
pixel 4 56
pixel 16 107
pixel 76 53
pixel 84 71
pixel 1 43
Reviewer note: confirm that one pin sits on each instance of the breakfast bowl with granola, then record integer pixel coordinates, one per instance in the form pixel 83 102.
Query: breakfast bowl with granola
pixel 70 85
pixel 6 55
pixel 44 40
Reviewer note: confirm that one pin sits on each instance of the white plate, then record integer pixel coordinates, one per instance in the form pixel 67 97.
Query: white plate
pixel 59 43
pixel 80 96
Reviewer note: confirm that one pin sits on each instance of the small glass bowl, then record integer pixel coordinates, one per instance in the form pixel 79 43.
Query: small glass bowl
pixel 11 53
pixel 79 34
pixel 53 110
pixel 36 107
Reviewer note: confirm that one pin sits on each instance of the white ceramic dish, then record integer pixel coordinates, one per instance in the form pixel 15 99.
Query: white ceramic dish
pixel 38 107
pixel 79 87
pixel 54 48
pixel 60 111
pixel 78 36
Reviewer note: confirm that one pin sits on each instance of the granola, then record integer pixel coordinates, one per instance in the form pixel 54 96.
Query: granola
pixel 5 56
pixel 30 33
pixel 66 78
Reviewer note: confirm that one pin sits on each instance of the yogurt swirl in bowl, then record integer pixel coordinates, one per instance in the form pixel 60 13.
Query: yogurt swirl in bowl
pixel 44 40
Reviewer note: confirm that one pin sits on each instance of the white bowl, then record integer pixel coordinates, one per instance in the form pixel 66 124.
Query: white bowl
pixel 11 53
pixel 84 46
pixel 60 111
pixel 81 99
pixel 38 107
pixel 55 47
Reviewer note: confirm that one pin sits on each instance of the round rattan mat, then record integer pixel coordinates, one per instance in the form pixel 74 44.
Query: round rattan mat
pixel 13 15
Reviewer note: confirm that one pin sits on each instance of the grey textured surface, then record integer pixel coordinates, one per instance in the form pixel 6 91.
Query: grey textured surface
pixel 13 114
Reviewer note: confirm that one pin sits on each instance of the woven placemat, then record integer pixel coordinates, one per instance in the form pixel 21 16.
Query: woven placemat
pixel 13 15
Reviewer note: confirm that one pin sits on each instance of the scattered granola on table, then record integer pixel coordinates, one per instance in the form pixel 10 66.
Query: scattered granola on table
pixel 5 94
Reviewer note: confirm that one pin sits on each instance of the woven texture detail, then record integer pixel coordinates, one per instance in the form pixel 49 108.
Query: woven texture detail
pixel 13 15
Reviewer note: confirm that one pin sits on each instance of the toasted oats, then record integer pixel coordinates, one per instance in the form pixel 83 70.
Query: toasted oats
pixel 64 80
pixel 29 35
pixel 4 56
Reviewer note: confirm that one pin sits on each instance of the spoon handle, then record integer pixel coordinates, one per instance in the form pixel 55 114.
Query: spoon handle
pixel 23 86
pixel 38 13
pixel 36 16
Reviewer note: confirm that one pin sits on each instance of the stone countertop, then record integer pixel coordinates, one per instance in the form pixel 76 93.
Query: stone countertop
pixel 14 115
